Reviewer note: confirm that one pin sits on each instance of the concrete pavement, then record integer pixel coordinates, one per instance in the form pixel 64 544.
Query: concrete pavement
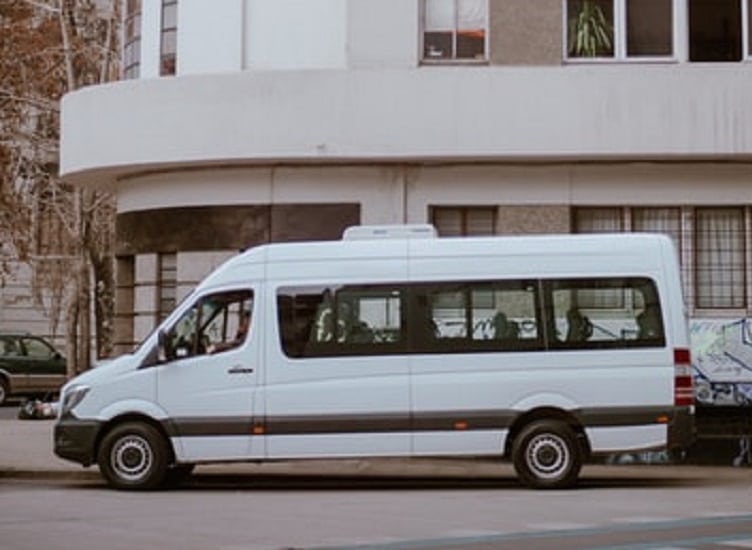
pixel 26 452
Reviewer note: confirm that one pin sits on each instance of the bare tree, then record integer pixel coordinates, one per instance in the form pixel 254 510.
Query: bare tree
pixel 49 48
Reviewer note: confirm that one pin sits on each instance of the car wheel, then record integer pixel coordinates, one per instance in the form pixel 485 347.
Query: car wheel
pixel 547 455
pixel 134 456
pixel 3 391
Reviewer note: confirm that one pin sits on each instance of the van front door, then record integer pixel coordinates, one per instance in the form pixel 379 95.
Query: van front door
pixel 207 384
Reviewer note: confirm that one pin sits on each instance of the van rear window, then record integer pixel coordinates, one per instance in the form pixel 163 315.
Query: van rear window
pixel 604 313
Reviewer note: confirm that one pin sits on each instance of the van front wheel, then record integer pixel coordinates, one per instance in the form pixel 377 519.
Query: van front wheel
pixel 547 455
pixel 134 456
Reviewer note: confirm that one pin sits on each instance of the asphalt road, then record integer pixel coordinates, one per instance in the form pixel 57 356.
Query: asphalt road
pixel 640 507
pixel 9 410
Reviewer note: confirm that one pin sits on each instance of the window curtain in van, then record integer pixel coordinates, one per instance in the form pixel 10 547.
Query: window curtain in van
pixel 719 263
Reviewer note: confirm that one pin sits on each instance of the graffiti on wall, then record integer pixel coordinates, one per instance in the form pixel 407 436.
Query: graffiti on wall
pixel 722 358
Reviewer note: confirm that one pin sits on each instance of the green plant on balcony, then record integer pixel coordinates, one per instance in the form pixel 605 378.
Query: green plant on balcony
pixel 590 32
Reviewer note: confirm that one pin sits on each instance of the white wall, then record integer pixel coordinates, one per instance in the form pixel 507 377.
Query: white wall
pixel 151 21
pixel 378 190
pixel 295 34
pixel 382 33
pixel 210 36
pixel 403 194
pixel 427 114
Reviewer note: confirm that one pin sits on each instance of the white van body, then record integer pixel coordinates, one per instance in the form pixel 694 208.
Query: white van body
pixel 296 387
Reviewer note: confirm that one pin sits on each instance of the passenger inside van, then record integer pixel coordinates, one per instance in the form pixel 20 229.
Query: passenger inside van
pixel 244 324
pixel 649 323
pixel 579 326
pixel 503 328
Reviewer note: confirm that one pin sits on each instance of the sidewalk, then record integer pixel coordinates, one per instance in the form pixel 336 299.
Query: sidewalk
pixel 26 452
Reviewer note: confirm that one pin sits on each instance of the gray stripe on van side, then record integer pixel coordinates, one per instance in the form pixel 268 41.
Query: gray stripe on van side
pixel 381 423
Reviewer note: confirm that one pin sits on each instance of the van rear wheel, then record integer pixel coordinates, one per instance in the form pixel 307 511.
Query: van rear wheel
pixel 547 455
pixel 134 456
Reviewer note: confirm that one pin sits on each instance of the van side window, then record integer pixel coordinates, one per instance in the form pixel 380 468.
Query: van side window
pixel 347 320
pixel 476 316
pixel 604 313
pixel 216 323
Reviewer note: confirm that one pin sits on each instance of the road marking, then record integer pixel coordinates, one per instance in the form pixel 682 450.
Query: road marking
pixel 560 526
pixel 645 525
pixel 737 543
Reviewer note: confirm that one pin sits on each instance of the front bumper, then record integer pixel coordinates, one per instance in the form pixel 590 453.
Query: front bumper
pixel 75 439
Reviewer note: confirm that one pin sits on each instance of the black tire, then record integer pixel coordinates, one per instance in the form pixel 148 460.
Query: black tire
pixel 3 391
pixel 547 455
pixel 134 456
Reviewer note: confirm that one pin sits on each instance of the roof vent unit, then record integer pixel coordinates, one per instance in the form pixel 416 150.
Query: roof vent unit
pixel 377 232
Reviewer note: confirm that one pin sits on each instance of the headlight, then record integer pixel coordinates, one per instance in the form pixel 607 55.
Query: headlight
pixel 73 397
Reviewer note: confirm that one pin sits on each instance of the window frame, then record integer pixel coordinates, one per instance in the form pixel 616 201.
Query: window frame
pixel 195 319
pixel 744 300
pixel 164 56
pixel 614 282
pixel 464 212
pixel 687 249
pixel 167 282
pixel 620 37
pixel 131 69
pixel 453 60
pixel 305 347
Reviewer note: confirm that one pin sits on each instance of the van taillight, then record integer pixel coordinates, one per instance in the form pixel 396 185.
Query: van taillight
pixel 684 395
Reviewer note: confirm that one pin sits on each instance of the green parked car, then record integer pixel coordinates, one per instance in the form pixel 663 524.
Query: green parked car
pixel 29 366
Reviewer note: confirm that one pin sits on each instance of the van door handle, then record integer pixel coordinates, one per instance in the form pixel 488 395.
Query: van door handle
pixel 237 369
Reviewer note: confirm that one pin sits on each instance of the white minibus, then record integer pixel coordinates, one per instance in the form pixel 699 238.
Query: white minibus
pixel 545 350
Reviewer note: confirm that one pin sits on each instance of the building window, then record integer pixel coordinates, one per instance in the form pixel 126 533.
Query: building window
pixel 619 29
pixel 715 30
pixel 457 221
pixel 132 39
pixel 719 258
pixel 168 284
pixel 168 49
pixel 658 220
pixel 454 29
pixel 598 220
pixel 710 241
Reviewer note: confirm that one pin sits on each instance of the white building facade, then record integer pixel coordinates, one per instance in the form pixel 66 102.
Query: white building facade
pixel 249 121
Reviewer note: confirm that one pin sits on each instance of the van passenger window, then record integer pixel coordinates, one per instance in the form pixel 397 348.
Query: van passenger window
pixel 216 323
pixel 348 320
pixel 477 316
pixel 603 313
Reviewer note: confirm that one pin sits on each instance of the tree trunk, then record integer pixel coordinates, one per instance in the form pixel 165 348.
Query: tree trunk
pixel 71 339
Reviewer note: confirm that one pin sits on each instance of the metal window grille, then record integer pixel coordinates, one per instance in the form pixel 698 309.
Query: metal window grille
pixel 720 270
pixel 462 221
pixel 168 284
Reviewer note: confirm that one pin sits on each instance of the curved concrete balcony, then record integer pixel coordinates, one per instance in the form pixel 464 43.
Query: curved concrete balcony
pixel 430 114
